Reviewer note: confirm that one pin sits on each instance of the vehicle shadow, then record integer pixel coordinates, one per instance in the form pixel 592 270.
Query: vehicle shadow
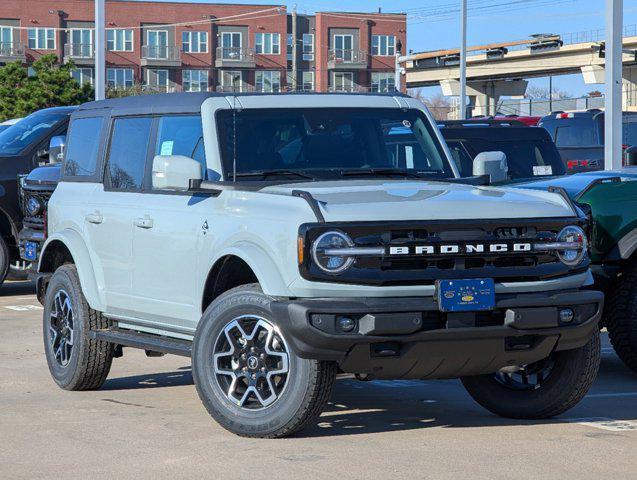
pixel 384 406
pixel 11 288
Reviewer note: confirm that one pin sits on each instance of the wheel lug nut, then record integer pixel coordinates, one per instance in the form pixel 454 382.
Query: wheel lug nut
pixel 245 369
pixel 263 369
pixel 243 356
pixel 254 376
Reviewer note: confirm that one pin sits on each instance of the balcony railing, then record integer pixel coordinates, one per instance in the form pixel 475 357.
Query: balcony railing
pixel 234 56
pixel 161 55
pixel 12 50
pixel 235 89
pixel 339 58
pixel 79 50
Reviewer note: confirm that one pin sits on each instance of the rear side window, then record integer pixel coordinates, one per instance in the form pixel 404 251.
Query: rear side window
pixel 181 135
pixel 80 159
pixel 128 152
pixel 573 132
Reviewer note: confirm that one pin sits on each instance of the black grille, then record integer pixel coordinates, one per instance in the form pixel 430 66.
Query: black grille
pixel 415 269
pixel 34 222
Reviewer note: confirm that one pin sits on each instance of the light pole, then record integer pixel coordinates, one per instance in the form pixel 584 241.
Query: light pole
pixel 463 60
pixel 613 114
pixel 100 50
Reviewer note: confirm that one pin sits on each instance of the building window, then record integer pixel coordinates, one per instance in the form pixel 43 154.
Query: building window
pixel 308 81
pixel 343 82
pixel 384 45
pixel 383 82
pixel 344 48
pixel 195 42
pixel 6 38
pixel 268 81
pixel 83 75
pixel 194 80
pixel 231 46
pixel 157 44
pixel 290 47
pixel 268 43
pixel 119 77
pixel 119 40
pixel 308 47
pixel 157 79
pixel 231 81
pixel 81 43
pixel 41 38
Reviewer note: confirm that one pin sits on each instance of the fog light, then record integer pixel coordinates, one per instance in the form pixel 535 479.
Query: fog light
pixel 567 315
pixel 346 324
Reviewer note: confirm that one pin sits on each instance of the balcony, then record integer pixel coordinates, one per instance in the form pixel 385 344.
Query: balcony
pixel 12 52
pixel 79 53
pixel 346 60
pixel 161 56
pixel 234 57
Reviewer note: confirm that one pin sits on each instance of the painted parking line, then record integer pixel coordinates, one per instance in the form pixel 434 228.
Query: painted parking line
pixel 23 308
pixel 603 423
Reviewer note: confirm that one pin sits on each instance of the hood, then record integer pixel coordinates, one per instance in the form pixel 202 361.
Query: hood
pixel 574 184
pixel 387 200
pixel 46 175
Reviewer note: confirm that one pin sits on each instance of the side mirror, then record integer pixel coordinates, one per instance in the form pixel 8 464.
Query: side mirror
pixel 493 164
pixel 56 148
pixel 174 172
pixel 630 156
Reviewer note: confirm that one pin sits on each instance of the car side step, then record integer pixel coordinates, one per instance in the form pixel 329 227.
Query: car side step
pixel 145 341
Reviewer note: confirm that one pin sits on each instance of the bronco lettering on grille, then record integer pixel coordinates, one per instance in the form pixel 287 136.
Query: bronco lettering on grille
pixel 455 249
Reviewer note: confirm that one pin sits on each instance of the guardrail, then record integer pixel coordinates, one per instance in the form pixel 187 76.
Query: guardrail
pixel 347 56
pixel 235 54
pixel 161 52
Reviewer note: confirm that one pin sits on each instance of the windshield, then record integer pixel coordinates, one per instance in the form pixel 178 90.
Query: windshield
pixel 28 130
pixel 322 143
pixel 525 158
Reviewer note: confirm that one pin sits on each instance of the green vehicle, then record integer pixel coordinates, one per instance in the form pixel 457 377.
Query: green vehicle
pixel 534 162
pixel 612 199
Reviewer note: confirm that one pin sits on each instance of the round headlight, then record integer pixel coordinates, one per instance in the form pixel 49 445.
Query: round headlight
pixel 323 252
pixel 577 238
pixel 33 206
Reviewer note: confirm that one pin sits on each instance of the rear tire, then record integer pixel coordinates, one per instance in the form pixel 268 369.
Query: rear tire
pixel 5 260
pixel 562 381
pixel 76 361
pixel 246 375
pixel 621 317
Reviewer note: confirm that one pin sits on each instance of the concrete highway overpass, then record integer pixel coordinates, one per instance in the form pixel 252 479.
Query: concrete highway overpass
pixel 501 69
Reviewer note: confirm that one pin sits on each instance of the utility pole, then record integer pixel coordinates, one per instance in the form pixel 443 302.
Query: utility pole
pixel 613 114
pixel 398 69
pixel 295 81
pixel 100 50
pixel 463 60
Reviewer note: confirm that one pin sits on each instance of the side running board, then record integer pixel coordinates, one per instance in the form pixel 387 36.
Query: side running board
pixel 144 341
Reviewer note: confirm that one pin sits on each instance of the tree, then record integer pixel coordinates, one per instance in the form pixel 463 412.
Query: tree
pixel 50 85
pixel 540 93
pixel 438 104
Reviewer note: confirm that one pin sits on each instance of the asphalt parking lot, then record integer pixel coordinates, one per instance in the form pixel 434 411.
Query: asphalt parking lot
pixel 147 422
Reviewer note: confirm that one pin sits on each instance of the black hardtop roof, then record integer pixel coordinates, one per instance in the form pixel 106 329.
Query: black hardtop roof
pixel 193 101
pixel 490 133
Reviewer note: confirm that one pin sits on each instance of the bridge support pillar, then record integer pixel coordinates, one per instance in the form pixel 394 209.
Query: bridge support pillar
pixel 484 96
pixel 595 74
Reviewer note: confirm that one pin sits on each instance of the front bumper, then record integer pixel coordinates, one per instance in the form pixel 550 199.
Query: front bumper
pixel 410 338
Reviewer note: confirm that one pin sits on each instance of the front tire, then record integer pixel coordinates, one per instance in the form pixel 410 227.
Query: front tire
pixel 246 374
pixel 76 361
pixel 621 317
pixel 542 390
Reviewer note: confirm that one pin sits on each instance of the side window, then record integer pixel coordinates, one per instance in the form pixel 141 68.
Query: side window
pixel 80 159
pixel 181 135
pixel 127 153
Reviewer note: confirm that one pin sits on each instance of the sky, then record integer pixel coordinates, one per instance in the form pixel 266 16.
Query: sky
pixel 434 24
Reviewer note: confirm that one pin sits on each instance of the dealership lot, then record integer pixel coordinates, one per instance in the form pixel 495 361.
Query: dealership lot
pixel 147 419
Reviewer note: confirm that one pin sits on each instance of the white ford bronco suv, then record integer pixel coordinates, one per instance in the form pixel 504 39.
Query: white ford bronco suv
pixel 280 239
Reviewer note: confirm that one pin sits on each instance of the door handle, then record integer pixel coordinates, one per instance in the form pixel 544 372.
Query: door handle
pixel 145 222
pixel 95 218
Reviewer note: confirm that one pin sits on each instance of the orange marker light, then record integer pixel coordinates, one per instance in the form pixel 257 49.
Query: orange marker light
pixel 300 249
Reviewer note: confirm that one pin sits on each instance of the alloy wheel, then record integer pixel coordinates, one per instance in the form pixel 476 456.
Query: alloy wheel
pixel 61 326
pixel 251 364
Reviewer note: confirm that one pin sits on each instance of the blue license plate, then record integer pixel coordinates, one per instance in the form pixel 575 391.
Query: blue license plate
pixel 30 251
pixel 466 295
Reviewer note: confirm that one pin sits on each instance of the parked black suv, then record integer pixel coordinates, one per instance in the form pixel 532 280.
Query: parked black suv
pixel 579 137
pixel 35 140
pixel 530 152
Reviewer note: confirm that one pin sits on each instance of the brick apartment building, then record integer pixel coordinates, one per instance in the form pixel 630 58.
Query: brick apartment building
pixel 215 46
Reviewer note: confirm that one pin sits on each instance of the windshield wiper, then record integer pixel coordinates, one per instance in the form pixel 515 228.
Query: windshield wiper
pixel 383 172
pixel 272 173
